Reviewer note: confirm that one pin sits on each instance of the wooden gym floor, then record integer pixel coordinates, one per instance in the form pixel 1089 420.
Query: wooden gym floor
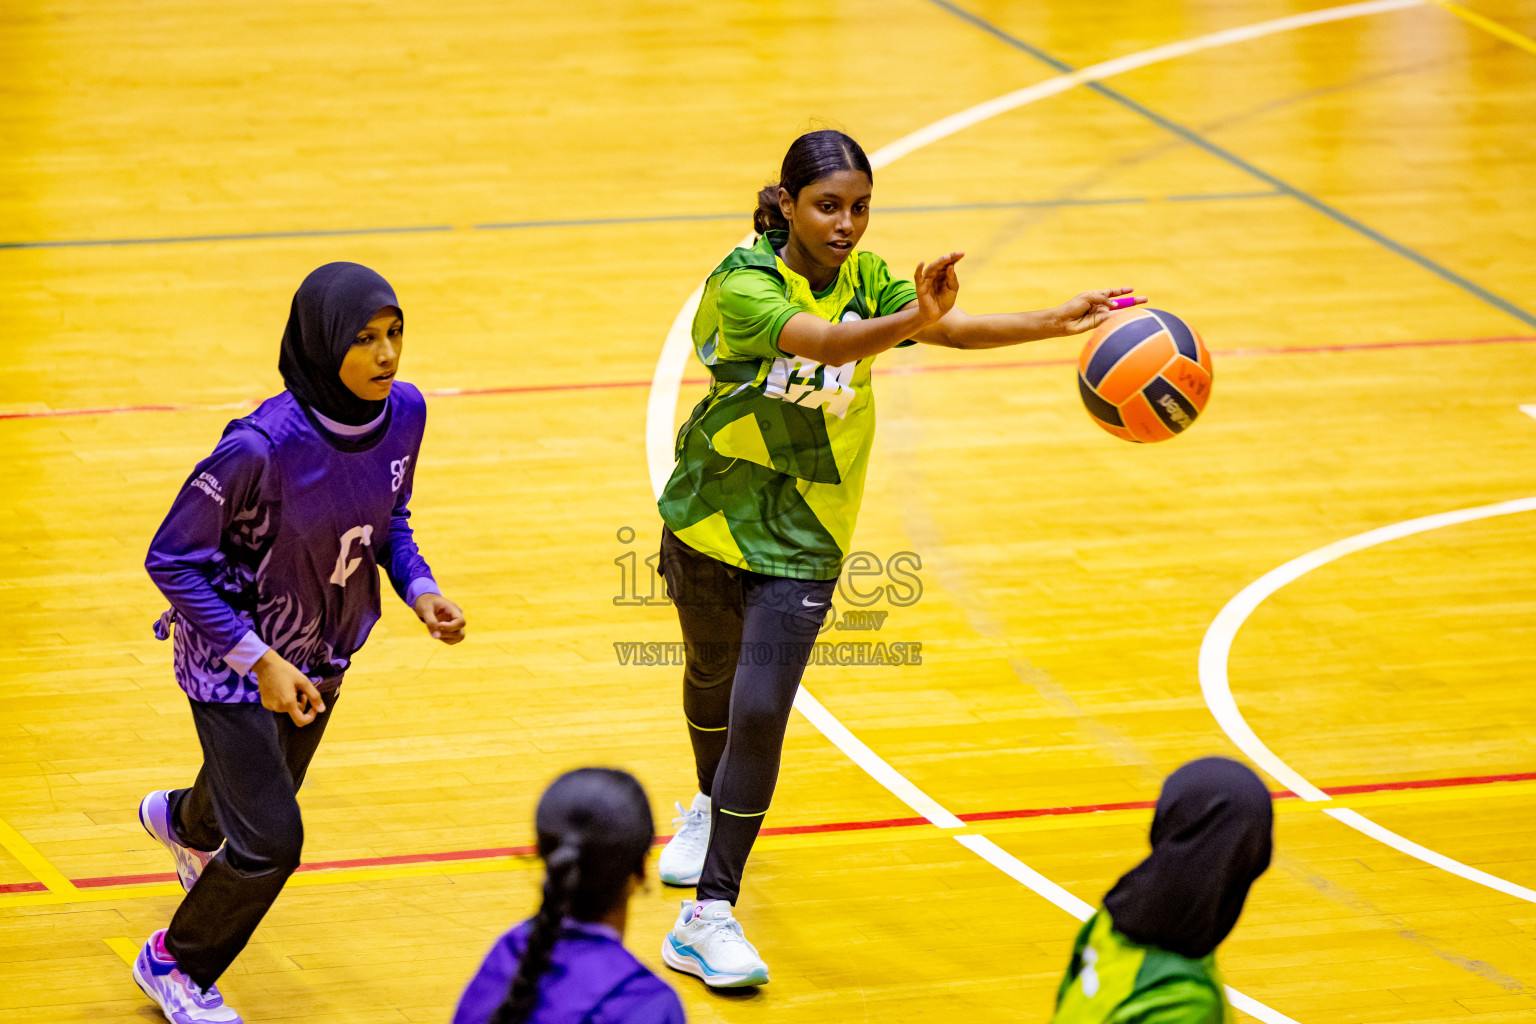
pixel 1344 209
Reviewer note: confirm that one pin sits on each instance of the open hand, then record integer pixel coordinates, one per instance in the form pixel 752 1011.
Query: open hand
pixel 1086 311
pixel 937 285
pixel 443 619
pixel 284 688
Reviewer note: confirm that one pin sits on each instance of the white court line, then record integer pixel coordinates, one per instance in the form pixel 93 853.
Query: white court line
pixel 1017 870
pixel 667 378
pixel 872 763
pixel 666 382
pixel 1529 410
pixel 1216 649
pixel 1356 820
pixel 947 126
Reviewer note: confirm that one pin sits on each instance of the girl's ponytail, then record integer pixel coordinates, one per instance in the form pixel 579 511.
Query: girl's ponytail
pixel 595 829
pixel 768 217
pixel 560 883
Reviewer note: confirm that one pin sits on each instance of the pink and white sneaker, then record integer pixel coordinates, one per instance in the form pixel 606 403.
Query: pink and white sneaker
pixel 155 816
pixel 179 997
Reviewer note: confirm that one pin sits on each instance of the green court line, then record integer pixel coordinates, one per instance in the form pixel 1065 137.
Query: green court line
pixel 593 222
pixel 1194 138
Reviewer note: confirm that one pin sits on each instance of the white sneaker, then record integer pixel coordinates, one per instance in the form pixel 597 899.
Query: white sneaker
pixel 155 816
pixel 178 996
pixel 707 942
pixel 682 859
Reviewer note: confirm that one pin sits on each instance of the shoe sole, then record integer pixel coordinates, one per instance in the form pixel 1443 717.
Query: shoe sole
pixel 688 965
pixel 156 999
pixel 143 987
pixel 147 993
pixel 682 883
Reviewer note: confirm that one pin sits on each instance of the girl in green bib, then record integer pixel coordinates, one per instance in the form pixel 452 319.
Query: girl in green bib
pixel 760 509
pixel 1148 956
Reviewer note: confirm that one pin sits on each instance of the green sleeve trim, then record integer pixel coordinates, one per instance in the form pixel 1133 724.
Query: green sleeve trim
pixel 885 294
pixel 899 294
pixel 777 328
pixel 753 310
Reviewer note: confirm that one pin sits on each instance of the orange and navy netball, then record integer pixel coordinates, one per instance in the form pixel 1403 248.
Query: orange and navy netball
pixel 1144 375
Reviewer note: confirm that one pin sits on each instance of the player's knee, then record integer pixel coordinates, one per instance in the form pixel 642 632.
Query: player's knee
pixel 759 722
pixel 279 846
pixel 704 672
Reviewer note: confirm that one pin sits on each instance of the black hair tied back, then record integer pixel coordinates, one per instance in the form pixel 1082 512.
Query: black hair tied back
pixel 595 830
pixel 811 157
pixel 562 877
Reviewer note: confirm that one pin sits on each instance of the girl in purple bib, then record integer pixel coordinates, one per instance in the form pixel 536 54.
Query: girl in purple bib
pixel 269 559
pixel 567 964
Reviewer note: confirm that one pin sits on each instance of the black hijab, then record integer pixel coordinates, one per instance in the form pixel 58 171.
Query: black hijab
pixel 333 304
pixel 1211 838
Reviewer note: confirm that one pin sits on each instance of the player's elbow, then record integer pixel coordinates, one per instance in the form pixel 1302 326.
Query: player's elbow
pixel 942 334
pixel 159 567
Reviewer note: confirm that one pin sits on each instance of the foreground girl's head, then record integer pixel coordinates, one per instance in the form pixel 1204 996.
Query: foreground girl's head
pixel 595 830
pixel 341 347
pixel 1211 839
pixel 821 197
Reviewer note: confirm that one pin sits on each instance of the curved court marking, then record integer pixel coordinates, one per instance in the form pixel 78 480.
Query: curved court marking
pixel 947 126
pixel 1302 196
pixel 1216 649
pixel 666 383
pixel 667 378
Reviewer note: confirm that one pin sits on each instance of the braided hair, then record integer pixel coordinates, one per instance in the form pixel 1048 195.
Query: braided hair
pixel 595 829
pixel 811 157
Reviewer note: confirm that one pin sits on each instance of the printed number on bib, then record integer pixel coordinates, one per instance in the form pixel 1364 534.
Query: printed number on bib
pixel 347 566
pixel 397 470
pixel 801 381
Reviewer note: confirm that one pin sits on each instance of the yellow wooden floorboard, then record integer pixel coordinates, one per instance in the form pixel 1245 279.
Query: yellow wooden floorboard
pixel 1066 578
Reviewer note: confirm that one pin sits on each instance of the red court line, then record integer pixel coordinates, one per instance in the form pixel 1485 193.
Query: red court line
pixel 152 877
pixel 23 887
pixel 446 856
pixel 104 411
pixel 1017 364
pixel 1465 780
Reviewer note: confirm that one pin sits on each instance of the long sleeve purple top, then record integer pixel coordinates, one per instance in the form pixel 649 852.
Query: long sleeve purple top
pixel 592 979
pixel 275 540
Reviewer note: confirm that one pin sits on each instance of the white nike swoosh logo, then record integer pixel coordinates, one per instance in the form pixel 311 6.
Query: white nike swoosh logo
pixel 811 604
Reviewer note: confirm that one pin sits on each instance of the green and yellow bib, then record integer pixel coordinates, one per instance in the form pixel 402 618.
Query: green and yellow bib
pixel 1112 980
pixel 770 465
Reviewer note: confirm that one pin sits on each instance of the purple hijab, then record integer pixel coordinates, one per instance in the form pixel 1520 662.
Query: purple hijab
pixel 333 304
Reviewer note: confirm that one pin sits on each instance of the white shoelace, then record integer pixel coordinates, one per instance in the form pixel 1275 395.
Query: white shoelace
pixel 729 933
pixel 202 998
pixel 692 827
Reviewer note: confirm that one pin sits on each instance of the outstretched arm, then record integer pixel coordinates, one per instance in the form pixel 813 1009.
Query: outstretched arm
pixel 808 335
pixel 959 329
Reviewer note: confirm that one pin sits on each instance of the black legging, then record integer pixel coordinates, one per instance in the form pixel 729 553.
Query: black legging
pixel 748 637
pixel 245 797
